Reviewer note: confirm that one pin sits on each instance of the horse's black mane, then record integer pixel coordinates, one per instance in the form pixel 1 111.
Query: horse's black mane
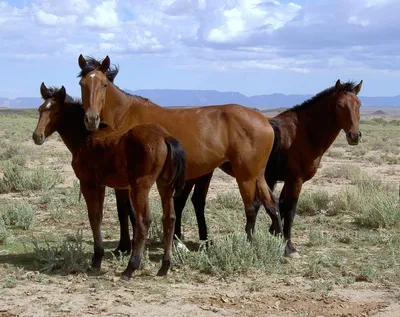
pixel 73 101
pixel 346 87
pixel 92 64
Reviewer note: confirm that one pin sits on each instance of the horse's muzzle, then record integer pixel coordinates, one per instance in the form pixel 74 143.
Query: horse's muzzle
pixel 38 138
pixel 92 122
pixel 353 138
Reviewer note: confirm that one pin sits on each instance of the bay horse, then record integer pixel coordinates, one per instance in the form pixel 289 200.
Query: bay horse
pixel 210 135
pixel 303 134
pixel 132 160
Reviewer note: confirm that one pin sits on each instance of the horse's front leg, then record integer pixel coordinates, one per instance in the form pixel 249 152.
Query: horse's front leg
pixel 288 203
pixel 94 197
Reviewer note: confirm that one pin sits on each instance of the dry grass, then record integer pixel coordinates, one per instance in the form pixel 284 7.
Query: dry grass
pixel 350 234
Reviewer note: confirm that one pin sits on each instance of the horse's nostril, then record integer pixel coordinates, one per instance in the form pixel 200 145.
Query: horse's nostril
pixel 359 134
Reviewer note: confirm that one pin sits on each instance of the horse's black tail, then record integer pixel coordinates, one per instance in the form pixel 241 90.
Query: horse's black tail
pixel 177 161
pixel 273 161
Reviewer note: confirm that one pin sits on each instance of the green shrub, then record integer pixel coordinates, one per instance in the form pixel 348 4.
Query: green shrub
pixel 19 214
pixel 68 255
pixel 3 232
pixel 372 203
pixel 18 179
pixel 311 203
pixel 233 253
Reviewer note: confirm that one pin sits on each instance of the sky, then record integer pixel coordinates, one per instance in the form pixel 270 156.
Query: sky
pixel 249 46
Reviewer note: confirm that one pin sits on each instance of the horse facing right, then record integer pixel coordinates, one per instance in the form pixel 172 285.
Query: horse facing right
pixel 132 160
pixel 303 133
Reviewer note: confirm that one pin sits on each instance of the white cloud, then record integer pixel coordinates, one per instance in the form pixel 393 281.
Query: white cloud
pixel 222 34
pixel 107 36
pixel 104 16
pixel 246 17
pixel 54 20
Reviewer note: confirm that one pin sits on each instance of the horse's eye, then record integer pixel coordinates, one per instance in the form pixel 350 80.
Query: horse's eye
pixel 105 85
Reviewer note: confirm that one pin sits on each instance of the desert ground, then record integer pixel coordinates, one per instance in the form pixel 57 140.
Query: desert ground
pixel 346 231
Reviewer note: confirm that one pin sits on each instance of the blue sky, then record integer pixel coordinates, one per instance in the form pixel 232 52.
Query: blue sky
pixel 250 46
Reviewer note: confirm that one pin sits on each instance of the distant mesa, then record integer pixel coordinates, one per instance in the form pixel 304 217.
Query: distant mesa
pixel 189 98
pixel 379 113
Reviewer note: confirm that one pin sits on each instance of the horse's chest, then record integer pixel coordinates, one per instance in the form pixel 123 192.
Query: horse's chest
pixel 301 166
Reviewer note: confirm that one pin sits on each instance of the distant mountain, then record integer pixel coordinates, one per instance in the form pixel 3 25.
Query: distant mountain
pixel 176 97
pixel 21 102
pixel 172 97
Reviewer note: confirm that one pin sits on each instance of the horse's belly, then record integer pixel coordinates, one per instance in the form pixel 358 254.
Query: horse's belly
pixel 199 167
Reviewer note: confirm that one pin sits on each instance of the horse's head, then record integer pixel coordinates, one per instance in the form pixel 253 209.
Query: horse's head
pixel 95 77
pixel 347 108
pixel 49 113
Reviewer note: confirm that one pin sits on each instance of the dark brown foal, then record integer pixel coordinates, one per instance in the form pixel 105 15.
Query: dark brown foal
pixel 134 159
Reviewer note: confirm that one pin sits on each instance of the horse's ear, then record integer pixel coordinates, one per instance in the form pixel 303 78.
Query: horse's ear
pixel 105 65
pixel 81 61
pixel 61 94
pixel 44 91
pixel 338 85
pixel 358 88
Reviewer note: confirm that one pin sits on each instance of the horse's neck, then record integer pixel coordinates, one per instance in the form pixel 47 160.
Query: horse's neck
pixel 122 110
pixel 319 125
pixel 72 131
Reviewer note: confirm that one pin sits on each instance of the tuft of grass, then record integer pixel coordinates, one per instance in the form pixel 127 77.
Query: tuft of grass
pixel 68 255
pixel 18 179
pixel 10 150
pixel 316 238
pixel 312 203
pixel 228 200
pixel 334 153
pixel 368 272
pixel 373 203
pixel 255 287
pixel 156 227
pixel 323 286
pixel 57 211
pixel 19 214
pixel 3 232
pixel 233 253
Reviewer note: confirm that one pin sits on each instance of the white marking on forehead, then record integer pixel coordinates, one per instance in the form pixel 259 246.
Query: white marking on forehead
pixel 92 75
pixel 48 104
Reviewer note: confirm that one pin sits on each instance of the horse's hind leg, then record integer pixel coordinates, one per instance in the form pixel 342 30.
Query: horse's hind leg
pixel 168 221
pixel 227 168
pixel 179 205
pixel 140 200
pixel 247 191
pixel 199 203
pixel 125 211
pixel 94 197
pixel 265 195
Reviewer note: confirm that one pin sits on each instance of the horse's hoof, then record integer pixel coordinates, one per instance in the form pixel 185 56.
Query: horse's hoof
pixel 179 245
pixel 162 271
pixel 96 266
pixel 126 276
